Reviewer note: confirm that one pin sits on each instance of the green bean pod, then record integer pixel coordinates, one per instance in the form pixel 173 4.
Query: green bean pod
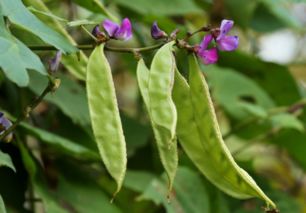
pixel 198 133
pixel 104 114
pixel 168 155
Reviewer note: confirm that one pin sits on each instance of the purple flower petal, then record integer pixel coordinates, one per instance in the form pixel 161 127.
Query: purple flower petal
pixel 208 56
pixel 125 30
pixel 228 43
pixel 110 27
pixel 54 62
pixel 205 42
pixel 157 33
pixel 4 125
pixel 226 26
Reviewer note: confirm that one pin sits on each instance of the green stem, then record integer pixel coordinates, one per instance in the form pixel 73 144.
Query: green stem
pixel 52 86
pixel 107 48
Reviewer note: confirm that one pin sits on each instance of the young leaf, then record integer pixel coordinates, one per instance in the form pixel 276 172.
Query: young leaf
pixel 2 207
pixel 75 66
pixel 62 145
pixel 104 115
pixel 19 15
pixel 166 143
pixel 16 58
pixel 5 160
pixel 199 134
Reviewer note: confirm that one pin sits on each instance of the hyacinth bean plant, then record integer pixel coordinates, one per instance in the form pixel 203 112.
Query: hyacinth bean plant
pixel 175 99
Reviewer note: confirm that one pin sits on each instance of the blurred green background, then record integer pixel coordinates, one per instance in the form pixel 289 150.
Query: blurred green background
pixel 259 93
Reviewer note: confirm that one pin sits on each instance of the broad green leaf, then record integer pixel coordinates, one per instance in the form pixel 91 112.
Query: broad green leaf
pixel 70 97
pixel 97 7
pixel 75 66
pixel 104 115
pixel 5 160
pixel 2 207
pixel 138 180
pixel 254 109
pixel 50 15
pixel 163 129
pixel 16 58
pixel 161 7
pixel 84 197
pixel 280 8
pixel 231 87
pixel 200 136
pixel 19 15
pixel 287 121
pixel 60 144
pixel 272 81
pixel 189 193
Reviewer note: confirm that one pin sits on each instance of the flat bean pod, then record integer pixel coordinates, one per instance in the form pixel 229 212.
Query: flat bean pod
pixel 168 156
pixel 199 134
pixel 105 116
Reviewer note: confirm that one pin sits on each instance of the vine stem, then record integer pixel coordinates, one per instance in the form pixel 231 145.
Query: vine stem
pixel 107 48
pixel 53 84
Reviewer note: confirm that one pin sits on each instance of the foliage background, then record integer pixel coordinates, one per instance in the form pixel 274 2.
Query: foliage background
pixel 260 107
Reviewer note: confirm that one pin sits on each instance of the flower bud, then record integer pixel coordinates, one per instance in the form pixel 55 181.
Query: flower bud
pixel 157 33
pixel 4 125
pixel 54 62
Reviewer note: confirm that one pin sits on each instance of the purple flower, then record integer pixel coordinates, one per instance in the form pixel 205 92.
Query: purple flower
pixel 208 56
pixel 224 41
pixel 54 62
pixel 4 125
pixel 122 32
pixel 157 33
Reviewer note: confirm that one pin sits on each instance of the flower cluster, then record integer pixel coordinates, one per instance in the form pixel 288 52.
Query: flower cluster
pixel 217 37
pixel 223 42
pixel 114 30
pixel 4 125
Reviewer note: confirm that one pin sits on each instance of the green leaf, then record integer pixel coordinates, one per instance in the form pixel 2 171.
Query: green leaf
pixel 272 82
pixel 70 97
pixel 287 121
pixel 16 58
pixel 230 88
pixel 254 109
pixel 138 180
pixel 161 7
pixel 5 160
pixel 189 194
pixel 19 15
pixel 62 145
pixel 50 15
pixel 280 9
pixel 2 206
pixel 104 115
pixel 157 101
pixel 200 136
pixel 97 7
pixel 75 66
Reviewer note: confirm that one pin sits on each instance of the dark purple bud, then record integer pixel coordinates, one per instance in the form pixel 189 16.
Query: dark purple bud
pixel 97 33
pixel 4 125
pixel 54 62
pixel 157 33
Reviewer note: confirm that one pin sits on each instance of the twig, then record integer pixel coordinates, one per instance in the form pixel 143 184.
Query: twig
pixel 51 87
pixel 107 48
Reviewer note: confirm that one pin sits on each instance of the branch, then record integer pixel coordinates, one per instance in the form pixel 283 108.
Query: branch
pixel 107 48
pixel 51 87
